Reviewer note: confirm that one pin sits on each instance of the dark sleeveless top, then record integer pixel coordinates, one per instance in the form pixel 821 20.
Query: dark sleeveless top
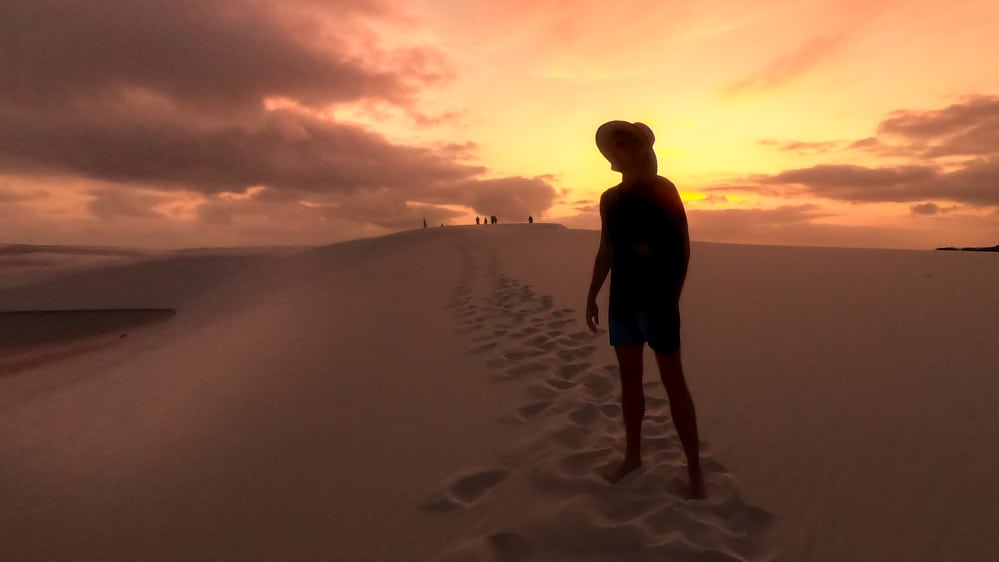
pixel 648 249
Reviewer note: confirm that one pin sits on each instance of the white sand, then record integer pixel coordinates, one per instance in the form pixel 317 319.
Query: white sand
pixel 435 395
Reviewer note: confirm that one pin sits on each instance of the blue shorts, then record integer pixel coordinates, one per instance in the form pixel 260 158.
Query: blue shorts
pixel 659 326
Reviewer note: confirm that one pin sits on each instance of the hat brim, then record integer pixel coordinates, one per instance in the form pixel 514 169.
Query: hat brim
pixel 605 134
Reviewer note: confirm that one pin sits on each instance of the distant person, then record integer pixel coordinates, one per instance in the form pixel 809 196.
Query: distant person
pixel 530 219
pixel 492 219
pixel 476 219
pixel 424 223
pixel 644 244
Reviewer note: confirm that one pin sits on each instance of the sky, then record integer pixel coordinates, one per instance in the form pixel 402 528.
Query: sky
pixel 189 123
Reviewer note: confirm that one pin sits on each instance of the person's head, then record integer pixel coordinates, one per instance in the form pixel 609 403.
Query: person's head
pixel 628 147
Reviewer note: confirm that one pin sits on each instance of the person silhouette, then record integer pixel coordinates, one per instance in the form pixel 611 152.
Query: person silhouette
pixel 530 219
pixel 645 246
pixel 476 219
pixel 424 223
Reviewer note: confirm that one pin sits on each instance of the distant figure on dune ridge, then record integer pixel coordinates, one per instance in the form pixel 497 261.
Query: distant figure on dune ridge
pixel 492 219
pixel 476 219
pixel 644 244
pixel 530 219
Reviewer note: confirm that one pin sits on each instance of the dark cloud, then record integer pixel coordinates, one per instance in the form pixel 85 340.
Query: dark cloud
pixel 925 209
pixel 222 55
pixel 371 208
pixel 836 176
pixel 930 208
pixel 969 128
pixel 974 184
pixel 170 95
pixel 511 198
pixel 282 149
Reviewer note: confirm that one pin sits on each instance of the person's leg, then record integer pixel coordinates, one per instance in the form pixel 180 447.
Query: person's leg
pixel 629 359
pixel 681 407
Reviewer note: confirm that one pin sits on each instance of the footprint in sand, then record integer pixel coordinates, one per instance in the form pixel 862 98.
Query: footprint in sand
pixel 599 389
pixel 560 384
pixel 561 323
pixel 497 363
pixel 585 462
pixel 527 369
pixel 576 353
pixel 541 391
pixel 483 347
pixel 465 489
pixel 570 370
pixel 519 354
pixel 585 415
pixel 497 547
pixel 532 410
pixel 612 411
pixel 541 342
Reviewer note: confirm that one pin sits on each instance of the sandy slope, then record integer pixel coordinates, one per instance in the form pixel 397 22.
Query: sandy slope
pixel 434 395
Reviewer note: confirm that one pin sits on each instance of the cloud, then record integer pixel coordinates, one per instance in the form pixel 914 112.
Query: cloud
pixel 969 128
pixel 838 176
pixel 801 147
pixel 793 225
pixel 282 149
pixel 157 100
pixel 117 203
pixel 222 55
pixel 8 195
pixel 930 208
pixel 507 198
pixel 783 69
pixel 974 184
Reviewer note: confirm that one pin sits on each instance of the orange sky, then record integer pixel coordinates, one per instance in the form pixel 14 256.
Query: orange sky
pixel 246 122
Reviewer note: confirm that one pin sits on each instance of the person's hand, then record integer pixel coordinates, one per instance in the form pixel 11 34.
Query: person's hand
pixel 592 315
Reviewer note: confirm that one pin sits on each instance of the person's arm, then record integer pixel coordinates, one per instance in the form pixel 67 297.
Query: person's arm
pixel 677 216
pixel 601 267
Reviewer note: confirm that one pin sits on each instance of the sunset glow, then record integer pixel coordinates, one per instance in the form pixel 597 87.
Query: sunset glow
pixel 232 122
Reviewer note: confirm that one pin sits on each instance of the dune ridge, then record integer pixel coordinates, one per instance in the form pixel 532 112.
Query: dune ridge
pixel 433 395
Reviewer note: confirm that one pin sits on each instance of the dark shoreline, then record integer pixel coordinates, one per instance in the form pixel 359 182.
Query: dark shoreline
pixel 985 249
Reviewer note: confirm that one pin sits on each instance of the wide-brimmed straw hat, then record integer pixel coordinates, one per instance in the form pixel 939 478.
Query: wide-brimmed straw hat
pixel 641 131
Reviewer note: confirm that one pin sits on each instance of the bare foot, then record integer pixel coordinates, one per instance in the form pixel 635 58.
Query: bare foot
pixel 697 489
pixel 625 468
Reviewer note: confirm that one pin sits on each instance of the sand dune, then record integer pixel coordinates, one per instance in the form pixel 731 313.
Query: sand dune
pixel 434 395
